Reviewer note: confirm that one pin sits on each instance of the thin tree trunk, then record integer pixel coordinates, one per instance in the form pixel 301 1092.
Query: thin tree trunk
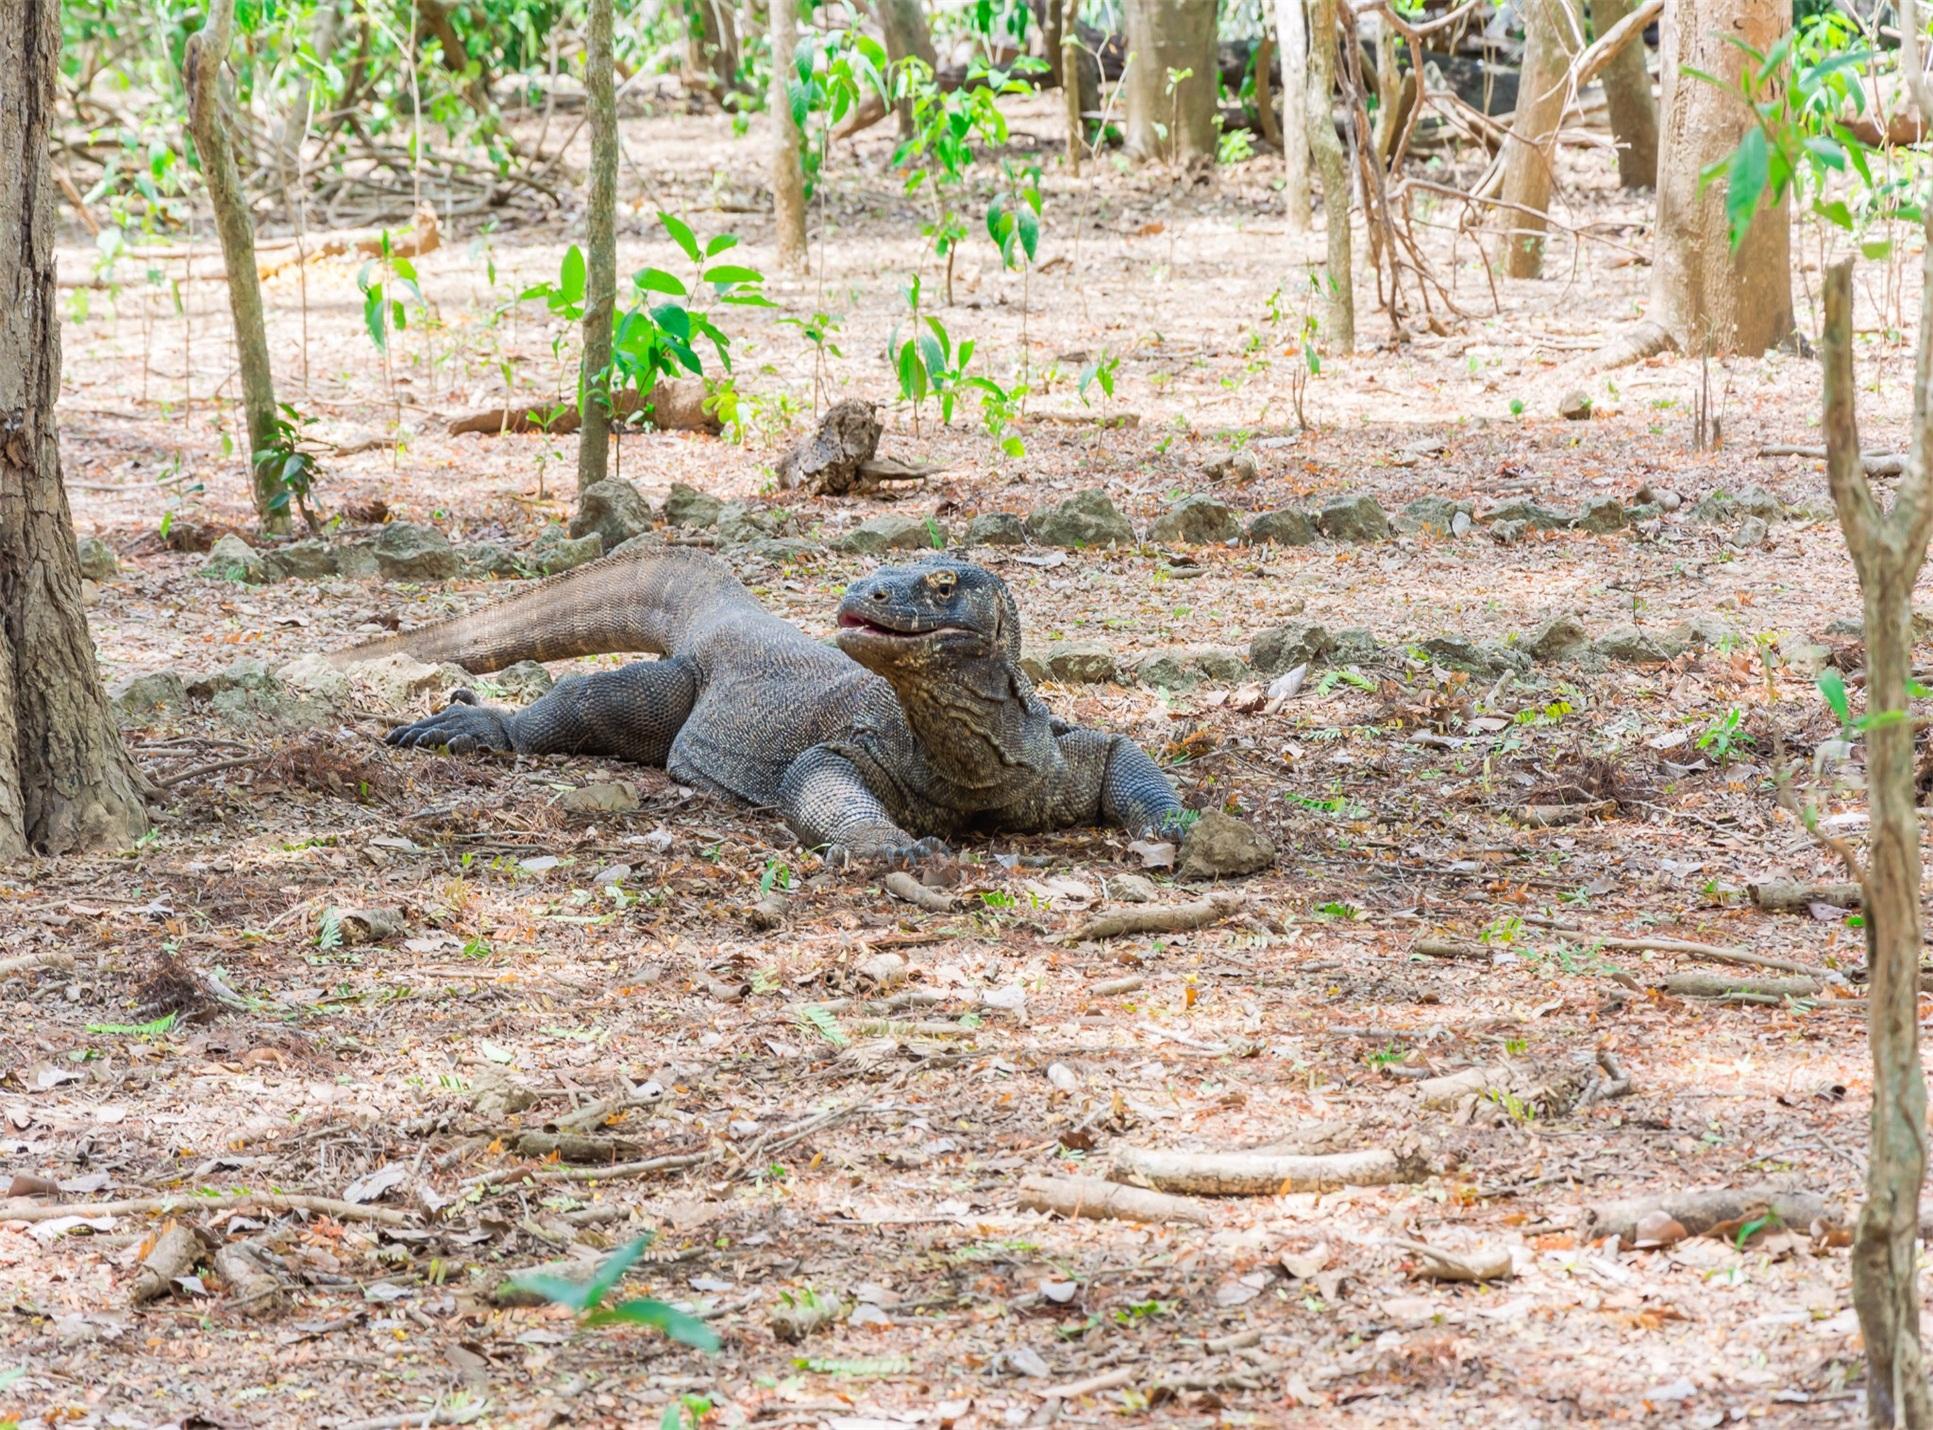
pixel 65 778
pixel 1551 39
pixel 902 24
pixel 1173 122
pixel 202 61
pixel 711 45
pixel 1070 90
pixel 1705 296
pixel 1339 287
pixel 1292 37
pixel 1627 93
pixel 600 260
pixel 1888 549
pixel 788 178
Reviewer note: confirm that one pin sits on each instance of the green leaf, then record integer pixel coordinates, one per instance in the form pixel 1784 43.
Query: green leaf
pixel 1832 685
pixel 681 235
pixel 570 275
pixel 1029 232
pixel 1745 182
pixel 1877 249
pixel 912 375
pixel 656 280
pixel 723 273
pixel 939 331
pixel 1835 213
pixel 674 319
pixel 681 1327
pixel 403 268
pixel 719 244
pixel 935 359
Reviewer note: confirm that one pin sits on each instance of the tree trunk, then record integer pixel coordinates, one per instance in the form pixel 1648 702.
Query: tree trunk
pixel 1173 122
pixel 902 24
pixel 1070 63
pixel 65 778
pixel 1888 549
pixel 711 45
pixel 202 61
pixel 1627 92
pixel 1292 38
pixel 1339 287
pixel 788 177
pixel 1551 39
pixel 1706 297
pixel 600 259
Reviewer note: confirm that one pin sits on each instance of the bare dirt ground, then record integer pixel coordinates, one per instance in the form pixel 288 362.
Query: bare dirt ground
pixel 874 1154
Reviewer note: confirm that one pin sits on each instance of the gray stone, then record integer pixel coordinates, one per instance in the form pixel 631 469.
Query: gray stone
pixel 781 550
pixel 605 797
pixel 1289 526
pixel 1184 667
pixel 1433 514
pixel 399 679
pixel 996 528
pixel 232 559
pixel 1353 646
pixel 98 562
pixel 309 560
pixel 1221 846
pixel 1358 518
pixel 1752 532
pixel 1757 501
pixel 1706 631
pixel 1484 658
pixel 148 694
pixel 1285 647
pixel 1529 513
pixel 554 551
pixel 738 524
pixel 410 551
pixel 689 507
pixel 490 558
pixel 1562 637
pixel 1603 515
pixel 244 673
pixel 1197 520
pixel 357 561
pixel 517 684
pixel 313 675
pixel 1507 532
pixel 894 531
pixel 1805 658
pixel 1575 405
pixel 614 510
pixel 1081 663
pixel 1855 626
pixel 1087 518
pixel 1628 643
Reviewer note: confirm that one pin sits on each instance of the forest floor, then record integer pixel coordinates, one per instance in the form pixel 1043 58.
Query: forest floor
pixel 872 1151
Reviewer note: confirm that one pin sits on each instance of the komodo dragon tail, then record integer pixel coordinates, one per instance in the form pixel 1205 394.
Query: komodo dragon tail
pixel 624 603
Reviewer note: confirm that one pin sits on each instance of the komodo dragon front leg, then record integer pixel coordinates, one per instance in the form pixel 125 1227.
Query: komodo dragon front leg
pixel 828 803
pixel 633 713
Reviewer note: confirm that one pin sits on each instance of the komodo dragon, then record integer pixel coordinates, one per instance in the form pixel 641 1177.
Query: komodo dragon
pixel 919 727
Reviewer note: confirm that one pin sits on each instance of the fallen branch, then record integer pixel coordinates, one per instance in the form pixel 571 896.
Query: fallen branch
pixel 424 235
pixel 1549 816
pixel 902 885
pixel 676 1163
pixel 1450 948
pixel 1716 985
pixel 1877 464
pixel 1101 1200
pixel 1715 952
pixel 1114 987
pixel 1484 1264
pixel 792 1321
pixel 420 1419
pixel 677 406
pixel 222 1201
pixel 1093 1385
pixel 579 1147
pixel 173 1256
pixel 252 1290
pixel 1699 1212
pixel 1261 1174
pixel 51 958
pixel 1172 918
pixel 1792 896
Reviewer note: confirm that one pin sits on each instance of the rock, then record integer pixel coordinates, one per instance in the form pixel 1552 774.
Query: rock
pixel 1081 663
pixel 1359 518
pixel 309 560
pixel 883 970
pixel 1087 518
pixel 1354 646
pixel 1132 889
pixel 232 559
pixel 1285 647
pixel 781 550
pixel 1758 502
pixel 1575 405
pixel 1561 637
pixel 996 528
pixel 1508 533
pixel 1752 532
pixel 1289 526
pixel 605 797
pixel 313 675
pixel 1184 667
pixel 1855 626
pixel 357 561
pixel 1529 513
pixel 1220 845
pixel 1661 497
pixel 400 679
pixel 894 531
pixel 1197 520
pixel 1435 515
pixel 1484 658
pixel 834 457
pixel 689 507
pixel 1602 515
pixel 1806 659
pixel 1628 643
pixel 148 694
pixel 410 551
pixel 614 510
pixel 738 524
pixel 489 558
pixel 517 684
pixel 1236 467
pixel 554 551
pixel 244 673
pixel 97 558
pixel 1706 631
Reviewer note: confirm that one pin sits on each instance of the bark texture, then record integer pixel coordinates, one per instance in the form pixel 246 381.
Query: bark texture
pixel 788 177
pixel 1888 549
pixel 1627 92
pixel 1070 63
pixel 600 259
pixel 1292 38
pixel 1164 35
pixel 711 45
pixel 65 779
pixel 1339 286
pixel 1552 37
pixel 1707 298
pixel 902 25
pixel 202 61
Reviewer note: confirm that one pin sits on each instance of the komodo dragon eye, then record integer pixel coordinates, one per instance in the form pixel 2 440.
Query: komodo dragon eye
pixel 942 582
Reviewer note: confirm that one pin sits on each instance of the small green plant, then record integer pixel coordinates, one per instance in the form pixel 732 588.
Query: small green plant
pixel 293 456
pixel 1725 735
pixel 777 875
pixel 687 1412
pixel 1099 373
pixel 819 330
pixel 1235 146
pixel 164 1024
pixel 1141 1312
pixel 1516 407
pixel 928 364
pixel 587 1299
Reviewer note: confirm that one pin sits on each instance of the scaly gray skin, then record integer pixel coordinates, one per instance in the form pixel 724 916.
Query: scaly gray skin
pixel 918 728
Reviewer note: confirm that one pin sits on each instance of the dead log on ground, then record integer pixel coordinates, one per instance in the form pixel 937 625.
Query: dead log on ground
pixel 1796 896
pixel 1172 918
pixel 1102 1200
pixel 1265 1174
pixel 1701 1212
pixel 1877 464
pixel 1480 1264
pixel 675 406
pixel 423 235
pixel 175 1253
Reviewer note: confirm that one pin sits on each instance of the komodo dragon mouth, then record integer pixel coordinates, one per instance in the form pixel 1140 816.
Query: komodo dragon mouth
pixel 850 621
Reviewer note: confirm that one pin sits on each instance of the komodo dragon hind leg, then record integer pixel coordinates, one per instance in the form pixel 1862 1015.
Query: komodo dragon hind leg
pixel 633 713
